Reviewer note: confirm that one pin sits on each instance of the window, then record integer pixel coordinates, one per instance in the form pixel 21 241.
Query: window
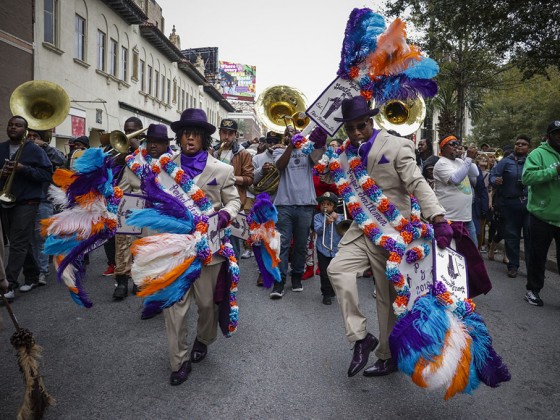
pixel 101 50
pixel 80 38
pixel 150 80
pixel 134 64
pixel 142 69
pixel 124 63
pixel 113 51
pixel 163 87
pixel 168 91
pixel 156 92
pixel 50 34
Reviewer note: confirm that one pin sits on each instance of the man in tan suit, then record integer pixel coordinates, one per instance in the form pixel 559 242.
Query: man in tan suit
pixel 391 163
pixel 217 181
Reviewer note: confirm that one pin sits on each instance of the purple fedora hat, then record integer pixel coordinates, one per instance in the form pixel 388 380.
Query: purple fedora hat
pixel 193 117
pixel 354 108
pixel 157 132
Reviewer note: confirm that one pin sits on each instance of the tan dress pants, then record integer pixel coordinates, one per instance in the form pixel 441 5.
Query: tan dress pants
pixel 176 317
pixel 353 258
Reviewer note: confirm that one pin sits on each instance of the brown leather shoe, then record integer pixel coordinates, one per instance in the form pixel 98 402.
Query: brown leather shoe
pixel 512 273
pixel 381 368
pixel 362 349
pixel 199 351
pixel 177 378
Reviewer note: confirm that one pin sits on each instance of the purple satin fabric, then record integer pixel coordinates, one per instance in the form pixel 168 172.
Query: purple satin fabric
pixel 194 165
pixel 478 281
pixel 365 148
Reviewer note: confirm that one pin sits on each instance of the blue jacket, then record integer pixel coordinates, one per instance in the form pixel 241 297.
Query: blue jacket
pixel 28 183
pixel 510 169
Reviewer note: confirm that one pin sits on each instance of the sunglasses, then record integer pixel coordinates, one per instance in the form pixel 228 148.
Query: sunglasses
pixel 453 144
pixel 351 128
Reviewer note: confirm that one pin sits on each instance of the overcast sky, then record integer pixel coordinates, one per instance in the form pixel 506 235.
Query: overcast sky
pixel 293 42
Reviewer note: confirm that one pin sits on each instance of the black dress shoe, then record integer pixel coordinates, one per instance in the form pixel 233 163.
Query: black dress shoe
pixel 199 351
pixel 327 300
pixel 362 349
pixel 177 378
pixel 381 368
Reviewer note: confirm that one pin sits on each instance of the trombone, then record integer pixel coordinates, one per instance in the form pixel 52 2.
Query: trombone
pixel 330 246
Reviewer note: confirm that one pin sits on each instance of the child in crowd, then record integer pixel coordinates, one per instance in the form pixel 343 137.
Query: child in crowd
pixel 327 240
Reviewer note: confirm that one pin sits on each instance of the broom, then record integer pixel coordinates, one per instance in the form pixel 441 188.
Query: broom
pixel 36 398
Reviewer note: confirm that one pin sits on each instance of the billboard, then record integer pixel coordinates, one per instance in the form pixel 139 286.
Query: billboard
pixel 238 81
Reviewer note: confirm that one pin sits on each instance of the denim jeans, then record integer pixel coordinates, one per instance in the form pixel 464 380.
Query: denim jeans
pixel 45 211
pixel 294 222
pixel 515 219
pixel 472 232
pixel 542 235
pixel 236 244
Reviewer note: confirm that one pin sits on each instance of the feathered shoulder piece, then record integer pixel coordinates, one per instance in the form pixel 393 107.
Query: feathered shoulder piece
pixel 265 239
pixel 89 202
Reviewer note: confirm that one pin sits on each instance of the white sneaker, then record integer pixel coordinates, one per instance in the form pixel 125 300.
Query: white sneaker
pixel 247 254
pixel 42 279
pixel 10 296
pixel 27 287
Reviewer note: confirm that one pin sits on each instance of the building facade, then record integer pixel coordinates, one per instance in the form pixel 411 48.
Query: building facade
pixel 115 62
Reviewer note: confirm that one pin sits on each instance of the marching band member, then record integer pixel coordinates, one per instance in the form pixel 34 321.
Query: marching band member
pixel 31 171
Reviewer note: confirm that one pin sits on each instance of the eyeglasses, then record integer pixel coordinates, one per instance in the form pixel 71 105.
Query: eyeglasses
pixel 453 144
pixel 360 127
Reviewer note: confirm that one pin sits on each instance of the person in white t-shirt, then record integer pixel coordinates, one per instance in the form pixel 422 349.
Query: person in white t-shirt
pixel 452 185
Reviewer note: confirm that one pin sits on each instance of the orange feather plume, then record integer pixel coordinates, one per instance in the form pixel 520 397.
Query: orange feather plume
pixel 165 280
pixel 63 178
pixel 393 55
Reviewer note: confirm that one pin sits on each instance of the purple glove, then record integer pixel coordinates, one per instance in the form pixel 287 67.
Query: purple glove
pixel 443 233
pixel 319 137
pixel 223 219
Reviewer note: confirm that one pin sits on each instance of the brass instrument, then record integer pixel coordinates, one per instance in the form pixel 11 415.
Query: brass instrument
pixel 44 105
pixel 7 199
pixel 277 105
pixel 402 116
pixel 330 246
pixel 498 154
pixel 344 224
pixel 75 155
pixel 119 141
pixel 268 183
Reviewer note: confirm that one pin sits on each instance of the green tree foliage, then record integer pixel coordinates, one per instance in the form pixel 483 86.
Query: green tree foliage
pixel 526 32
pixel 523 108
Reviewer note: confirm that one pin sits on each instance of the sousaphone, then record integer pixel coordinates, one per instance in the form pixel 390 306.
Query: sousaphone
pixel 280 106
pixel 403 116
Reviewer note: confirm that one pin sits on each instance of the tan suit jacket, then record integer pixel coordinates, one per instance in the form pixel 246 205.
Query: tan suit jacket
pixel 392 165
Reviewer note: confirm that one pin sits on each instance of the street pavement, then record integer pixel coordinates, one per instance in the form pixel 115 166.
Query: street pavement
pixel 288 359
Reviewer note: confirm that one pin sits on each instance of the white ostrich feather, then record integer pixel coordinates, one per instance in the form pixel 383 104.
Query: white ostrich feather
pixel 58 197
pixel 77 220
pixel 452 353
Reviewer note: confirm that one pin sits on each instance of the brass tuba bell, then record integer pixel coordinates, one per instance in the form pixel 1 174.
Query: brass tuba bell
pixel 402 116
pixel 42 103
pixel 277 105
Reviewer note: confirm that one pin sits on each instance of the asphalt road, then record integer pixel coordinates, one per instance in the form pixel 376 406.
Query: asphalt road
pixel 288 359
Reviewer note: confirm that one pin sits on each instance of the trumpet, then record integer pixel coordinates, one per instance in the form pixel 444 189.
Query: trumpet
pixel 330 246
pixel 7 199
